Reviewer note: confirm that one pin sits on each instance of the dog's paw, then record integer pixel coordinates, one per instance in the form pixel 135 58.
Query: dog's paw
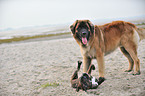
pixel 101 80
pixel 136 73
pixel 79 65
pixel 129 70
pixel 80 62
pixel 93 67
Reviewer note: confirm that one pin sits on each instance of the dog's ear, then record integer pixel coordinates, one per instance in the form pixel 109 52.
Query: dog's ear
pixel 92 27
pixel 73 26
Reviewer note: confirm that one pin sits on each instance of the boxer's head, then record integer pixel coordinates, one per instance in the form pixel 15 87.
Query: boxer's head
pixel 84 82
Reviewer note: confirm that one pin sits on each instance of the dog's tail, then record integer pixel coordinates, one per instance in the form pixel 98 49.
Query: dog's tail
pixel 141 32
pixel 92 67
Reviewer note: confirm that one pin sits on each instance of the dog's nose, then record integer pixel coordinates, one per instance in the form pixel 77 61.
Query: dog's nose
pixel 84 33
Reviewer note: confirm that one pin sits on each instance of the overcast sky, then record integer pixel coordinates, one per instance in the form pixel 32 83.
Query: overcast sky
pixel 20 13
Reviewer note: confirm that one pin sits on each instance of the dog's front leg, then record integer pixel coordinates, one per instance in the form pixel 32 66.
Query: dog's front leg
pixel 100 61
pixel 86 63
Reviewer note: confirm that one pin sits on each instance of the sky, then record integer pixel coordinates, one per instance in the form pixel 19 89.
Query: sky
pixel 22 13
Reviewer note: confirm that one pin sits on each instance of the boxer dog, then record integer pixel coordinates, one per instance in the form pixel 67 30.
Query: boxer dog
pixel 86 81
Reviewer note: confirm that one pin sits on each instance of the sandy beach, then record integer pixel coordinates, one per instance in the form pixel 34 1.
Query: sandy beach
pixel 44 68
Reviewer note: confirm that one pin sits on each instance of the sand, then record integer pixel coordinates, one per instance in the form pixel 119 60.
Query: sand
pixel 27 67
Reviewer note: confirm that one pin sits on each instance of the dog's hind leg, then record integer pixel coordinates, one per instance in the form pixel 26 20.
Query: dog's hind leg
pixel 130 42
pixel 131 48
pixel 131 62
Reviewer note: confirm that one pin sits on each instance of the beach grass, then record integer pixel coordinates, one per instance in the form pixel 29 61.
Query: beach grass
pixel 143 23
pixel 54 84
pixel 22 38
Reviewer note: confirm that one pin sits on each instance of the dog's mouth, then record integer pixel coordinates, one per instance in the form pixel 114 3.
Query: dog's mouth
pixel 83 36
pixel 84 40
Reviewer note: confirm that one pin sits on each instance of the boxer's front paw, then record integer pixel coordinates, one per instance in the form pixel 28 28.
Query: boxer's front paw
pixel 101 80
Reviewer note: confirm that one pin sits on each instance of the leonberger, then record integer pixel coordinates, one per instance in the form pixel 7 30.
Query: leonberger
pixel 97 41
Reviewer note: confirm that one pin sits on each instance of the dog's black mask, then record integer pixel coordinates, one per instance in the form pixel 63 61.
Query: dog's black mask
pixel 82 30
pixel 83 33
pixel 85 81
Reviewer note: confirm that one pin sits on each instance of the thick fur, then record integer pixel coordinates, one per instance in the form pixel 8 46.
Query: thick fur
pixel 104 39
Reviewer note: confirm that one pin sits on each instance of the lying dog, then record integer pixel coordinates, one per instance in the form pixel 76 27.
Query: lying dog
pixel 86 81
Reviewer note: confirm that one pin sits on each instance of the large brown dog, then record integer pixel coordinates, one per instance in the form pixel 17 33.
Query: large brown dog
pixel 97 41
